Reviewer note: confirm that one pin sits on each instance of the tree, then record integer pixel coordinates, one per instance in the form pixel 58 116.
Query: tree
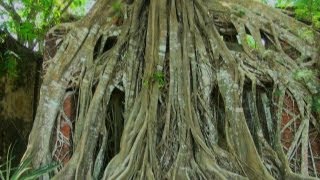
pixel 23 25
pixel 195 89
pixel 307 11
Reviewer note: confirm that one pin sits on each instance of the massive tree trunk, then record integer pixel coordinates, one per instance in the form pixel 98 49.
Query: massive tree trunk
pixel 173 89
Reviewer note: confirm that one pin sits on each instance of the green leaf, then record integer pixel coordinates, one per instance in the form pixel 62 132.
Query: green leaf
pixel 251 42
pixel 24 170
pixel 159 77
pixel 78 7
pixel 316 20
pixel 117 6
pixel 5 174
pixel 302 13
pixel 26 31
pixel 284 3
pixel 38 172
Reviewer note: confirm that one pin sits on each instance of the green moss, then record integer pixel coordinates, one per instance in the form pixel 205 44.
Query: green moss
pixel 303 74
pixel 316 21
pixel 145 83
pixel 239 12
pixel 117 6
pixel 307 34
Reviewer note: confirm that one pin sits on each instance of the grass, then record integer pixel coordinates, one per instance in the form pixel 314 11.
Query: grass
pixel 23 171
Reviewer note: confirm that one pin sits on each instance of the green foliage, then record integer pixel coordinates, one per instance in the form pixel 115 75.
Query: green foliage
pixel 77 3
pixel 117 6
pixel 305 10
pixel 239 12
pixel 23 171
pixel 316 20
pixel 78 7
pixel 306 34
pixel 27 31
pixel 284 3
pixel 251 42
pixel 158 76
pixel 307 76
pixel 28 21
pixel 308 11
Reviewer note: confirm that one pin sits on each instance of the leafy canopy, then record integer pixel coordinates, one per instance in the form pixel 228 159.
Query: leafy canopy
pixel 305 10
pixel 27 21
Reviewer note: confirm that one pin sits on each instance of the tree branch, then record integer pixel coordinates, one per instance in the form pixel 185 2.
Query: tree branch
pixel 12 44
pixel 66 7
pixel 10 9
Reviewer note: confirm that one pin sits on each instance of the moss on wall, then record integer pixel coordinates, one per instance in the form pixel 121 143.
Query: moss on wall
pixel 16 109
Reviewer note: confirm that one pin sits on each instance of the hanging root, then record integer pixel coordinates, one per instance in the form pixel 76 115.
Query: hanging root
pixel 182 90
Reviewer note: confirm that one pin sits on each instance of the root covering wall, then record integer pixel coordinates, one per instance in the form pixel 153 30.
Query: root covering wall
pixel 172 89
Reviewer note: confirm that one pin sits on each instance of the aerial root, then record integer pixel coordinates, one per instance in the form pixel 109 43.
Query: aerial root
pixel 215 121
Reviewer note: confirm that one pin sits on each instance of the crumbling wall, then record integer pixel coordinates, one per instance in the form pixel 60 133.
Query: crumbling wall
pixel 17 103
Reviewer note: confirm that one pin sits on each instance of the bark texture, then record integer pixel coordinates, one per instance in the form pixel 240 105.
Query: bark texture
pixel 172 89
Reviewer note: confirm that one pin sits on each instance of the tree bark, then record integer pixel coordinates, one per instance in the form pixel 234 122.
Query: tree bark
pixel 197 101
